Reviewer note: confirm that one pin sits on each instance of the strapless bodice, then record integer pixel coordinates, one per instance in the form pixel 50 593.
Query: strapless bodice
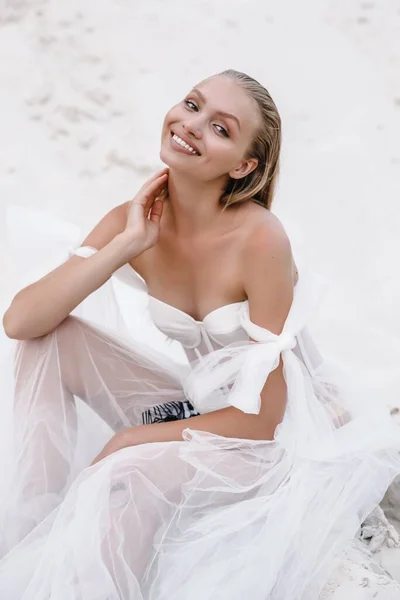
pixel 219 328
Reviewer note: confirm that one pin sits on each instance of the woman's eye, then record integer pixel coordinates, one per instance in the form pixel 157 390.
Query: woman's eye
pixel 190 104
pixel 193 106
pixel 222 130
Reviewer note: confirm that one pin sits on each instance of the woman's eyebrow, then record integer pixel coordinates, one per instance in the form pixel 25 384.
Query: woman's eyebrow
pixel 219 112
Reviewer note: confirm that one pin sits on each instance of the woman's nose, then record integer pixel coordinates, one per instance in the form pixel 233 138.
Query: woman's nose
pixel 193 127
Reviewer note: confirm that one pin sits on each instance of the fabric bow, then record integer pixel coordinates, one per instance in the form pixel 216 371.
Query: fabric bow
pixel 236 374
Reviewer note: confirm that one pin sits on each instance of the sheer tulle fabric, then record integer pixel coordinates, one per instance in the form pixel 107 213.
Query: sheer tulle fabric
pixel 203 518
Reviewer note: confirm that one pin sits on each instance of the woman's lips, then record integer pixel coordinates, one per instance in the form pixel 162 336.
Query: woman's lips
pixel 177 146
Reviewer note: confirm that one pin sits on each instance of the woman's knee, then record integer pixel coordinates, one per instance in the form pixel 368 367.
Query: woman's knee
pixel 69 329
pixel 52 355
pixel 64 331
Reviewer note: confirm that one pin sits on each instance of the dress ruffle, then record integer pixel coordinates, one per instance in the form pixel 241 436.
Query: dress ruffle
pixel 203 518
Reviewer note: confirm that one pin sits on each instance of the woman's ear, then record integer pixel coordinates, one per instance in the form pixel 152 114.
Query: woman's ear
pixel 244 168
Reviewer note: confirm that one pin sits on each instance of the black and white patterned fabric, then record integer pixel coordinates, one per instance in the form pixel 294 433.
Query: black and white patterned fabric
pixel 170 411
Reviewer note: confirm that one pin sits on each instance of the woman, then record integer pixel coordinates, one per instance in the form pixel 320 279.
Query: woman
pixel 261 492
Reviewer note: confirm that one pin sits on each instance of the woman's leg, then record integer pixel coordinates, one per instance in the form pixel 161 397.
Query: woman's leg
pixel 117 381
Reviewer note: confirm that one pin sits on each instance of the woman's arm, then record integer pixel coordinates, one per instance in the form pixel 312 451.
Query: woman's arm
pixel 125 232
pixel 269 285
pixel 41 306
pixel 227 422
pixel 268 280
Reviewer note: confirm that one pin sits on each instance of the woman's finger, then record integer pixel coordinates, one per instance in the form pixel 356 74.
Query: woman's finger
pixel 152 179
pixel 161 195
pixel 147 197
pixel 141 205
pixel 152 185
pixel 156 211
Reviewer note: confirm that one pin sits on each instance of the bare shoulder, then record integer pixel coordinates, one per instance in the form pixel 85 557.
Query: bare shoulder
pixel 108 227
pixel 268 269
pixel 264 236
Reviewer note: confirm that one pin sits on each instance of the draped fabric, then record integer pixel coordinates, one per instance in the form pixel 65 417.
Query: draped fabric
pixel 202 518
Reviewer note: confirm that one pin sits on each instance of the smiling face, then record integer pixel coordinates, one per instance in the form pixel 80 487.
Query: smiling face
pixel 209 133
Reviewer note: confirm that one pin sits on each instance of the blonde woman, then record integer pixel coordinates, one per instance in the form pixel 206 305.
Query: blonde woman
pixel 245 473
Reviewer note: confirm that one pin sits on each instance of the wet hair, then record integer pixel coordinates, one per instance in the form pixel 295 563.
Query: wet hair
pixel 259 185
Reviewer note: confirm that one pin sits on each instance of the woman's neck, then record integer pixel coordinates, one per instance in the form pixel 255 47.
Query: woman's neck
pixel 192 205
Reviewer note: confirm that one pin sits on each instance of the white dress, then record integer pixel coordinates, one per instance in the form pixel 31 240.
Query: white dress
pixel 207 517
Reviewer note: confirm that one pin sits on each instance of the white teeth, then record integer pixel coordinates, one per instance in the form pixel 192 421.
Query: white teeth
pixel 183 144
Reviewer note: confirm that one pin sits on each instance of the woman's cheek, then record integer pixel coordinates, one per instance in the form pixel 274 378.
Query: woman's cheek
pixel 174 115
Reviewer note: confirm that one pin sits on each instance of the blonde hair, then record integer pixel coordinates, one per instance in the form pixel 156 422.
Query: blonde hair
pixel 259 185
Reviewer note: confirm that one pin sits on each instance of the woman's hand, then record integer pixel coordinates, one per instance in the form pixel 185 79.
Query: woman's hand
pixel 142 434
pixel 125 232
pixel 123 439
pixel 144 215
pixel 135 436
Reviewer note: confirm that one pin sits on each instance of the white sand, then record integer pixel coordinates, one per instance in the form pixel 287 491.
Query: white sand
pixel 84 88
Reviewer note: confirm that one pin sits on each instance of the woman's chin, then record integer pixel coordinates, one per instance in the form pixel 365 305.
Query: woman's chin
pixel 174 160
pixel 165 157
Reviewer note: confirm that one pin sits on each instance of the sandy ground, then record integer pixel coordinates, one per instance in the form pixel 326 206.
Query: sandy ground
pixel 85 86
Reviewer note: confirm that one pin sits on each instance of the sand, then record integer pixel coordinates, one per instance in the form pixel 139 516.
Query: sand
pixel 85 86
